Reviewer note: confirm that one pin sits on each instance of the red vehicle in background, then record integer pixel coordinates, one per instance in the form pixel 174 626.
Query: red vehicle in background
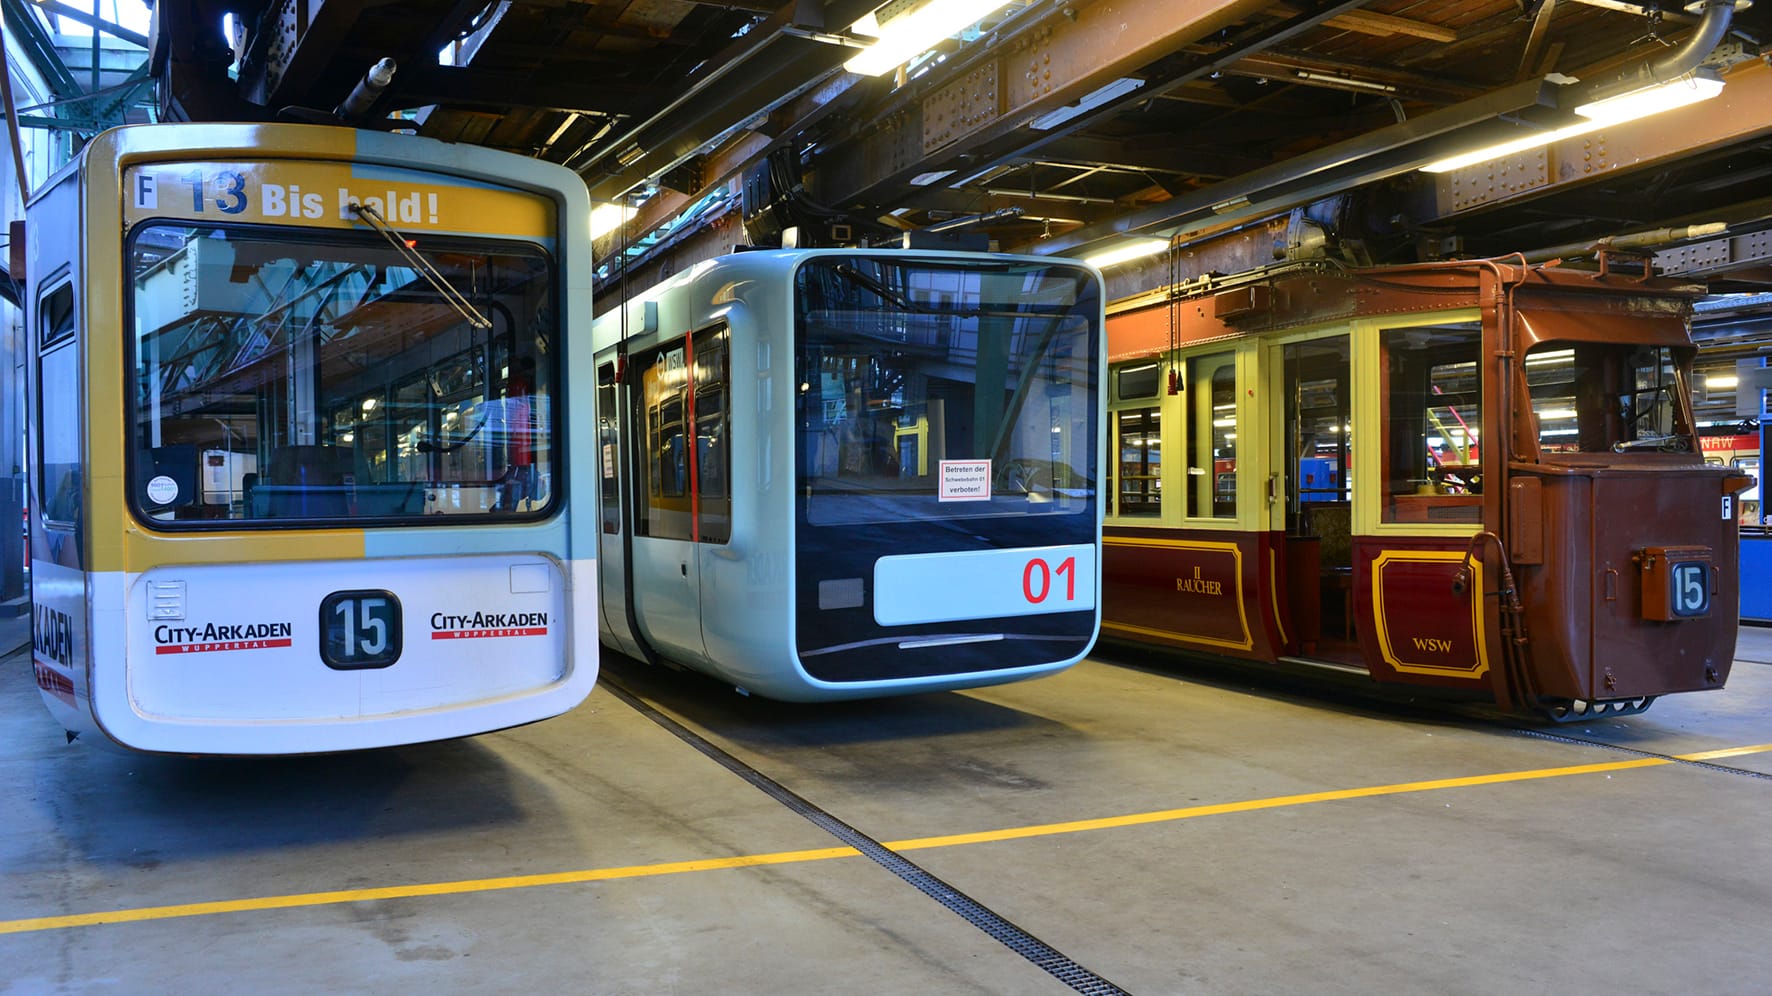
pixel 1530 516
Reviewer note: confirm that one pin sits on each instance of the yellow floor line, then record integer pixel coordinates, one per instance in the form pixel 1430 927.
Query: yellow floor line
pixel 423 889
pixel 145 913
pixel 1711 755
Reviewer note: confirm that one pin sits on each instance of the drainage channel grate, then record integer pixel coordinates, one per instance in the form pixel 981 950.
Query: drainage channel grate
pixel 1706 765
pixel 1014 938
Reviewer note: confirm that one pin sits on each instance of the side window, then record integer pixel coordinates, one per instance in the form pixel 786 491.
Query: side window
pixel 1318 424
pixel 608 457
pixel 1137 487
pixel 1212 436
pixel 662 503
pixel 686 448
pixel 58 407
pixel 712 448
pixel 1432 419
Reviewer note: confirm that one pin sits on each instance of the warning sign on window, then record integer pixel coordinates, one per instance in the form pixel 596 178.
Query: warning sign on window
pixel 965 480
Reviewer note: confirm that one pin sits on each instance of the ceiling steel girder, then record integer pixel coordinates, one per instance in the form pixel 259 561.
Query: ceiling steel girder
pixel 1737 114
pixel 1081 45
pixel 1704 259
pixel 1043 66
pixel 1387 152
pixel 98 23
pixel 291 44
pixel 724 167
pixel 39 49
pixel 758 73
pixel 727 164
pixel 457 87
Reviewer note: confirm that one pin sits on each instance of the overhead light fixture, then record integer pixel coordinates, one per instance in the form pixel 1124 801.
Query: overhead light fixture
pixel 1510 147
pixel 1639 103
pixel 1722 383
pixel 606 218
pixel 1113 91
pixel 908 35
pixel 1330 79
pixel 1689 89
pixel 1137 249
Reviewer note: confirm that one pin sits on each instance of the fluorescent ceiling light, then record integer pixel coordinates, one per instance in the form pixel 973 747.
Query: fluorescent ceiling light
pixel 1332 79
pixel 1137 249
pixel 1722 383
pixel 909 35
pixel 606 218
pixel 1688 89
pixel 1508 148
pixel 1681 92
pixel 1113 91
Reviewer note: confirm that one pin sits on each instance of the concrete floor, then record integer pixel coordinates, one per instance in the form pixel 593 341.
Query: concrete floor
pixel 1167 829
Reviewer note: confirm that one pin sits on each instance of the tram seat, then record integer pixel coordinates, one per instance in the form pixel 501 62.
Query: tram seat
pixel 301 482
pixel 1332 524
pixel 297 465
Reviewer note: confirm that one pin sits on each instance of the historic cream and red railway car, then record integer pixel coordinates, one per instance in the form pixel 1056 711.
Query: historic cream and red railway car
pixel 1479 476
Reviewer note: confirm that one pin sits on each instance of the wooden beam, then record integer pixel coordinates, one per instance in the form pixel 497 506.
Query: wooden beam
pixel 1366 22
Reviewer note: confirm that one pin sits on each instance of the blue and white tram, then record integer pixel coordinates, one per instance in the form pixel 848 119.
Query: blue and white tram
pixel 844 473
pixel 298 411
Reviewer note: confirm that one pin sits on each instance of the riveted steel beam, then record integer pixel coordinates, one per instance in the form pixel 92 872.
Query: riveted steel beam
pixel 1040 65
pixel 981 107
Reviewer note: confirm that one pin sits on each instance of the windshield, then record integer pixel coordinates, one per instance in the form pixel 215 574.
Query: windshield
pixel 1610 397
pixel 935 389
pixel 282 375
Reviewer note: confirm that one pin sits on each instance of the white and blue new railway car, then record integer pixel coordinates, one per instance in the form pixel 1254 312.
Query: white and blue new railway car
pixel 299 400
pixel 843 473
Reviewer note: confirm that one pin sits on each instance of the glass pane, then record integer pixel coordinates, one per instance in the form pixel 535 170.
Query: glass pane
pixel 1135 382
pixel 285 375
pixel 711 443
pixel 1433 423
pixel 1212 436
pixel 58 434
pixel 906 363
pixel 1609 397
pixel 1140 481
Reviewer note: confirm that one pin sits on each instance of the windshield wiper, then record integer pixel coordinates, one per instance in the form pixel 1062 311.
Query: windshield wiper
pixel 432 275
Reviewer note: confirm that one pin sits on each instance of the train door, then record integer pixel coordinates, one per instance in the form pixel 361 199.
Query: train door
pixel 614 469
pixel 1312 434
pixel 680 498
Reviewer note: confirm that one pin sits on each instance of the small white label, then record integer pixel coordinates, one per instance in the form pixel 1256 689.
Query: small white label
pixel 162 490
pixel 147 196
pixel 965 480
pixel 1728 507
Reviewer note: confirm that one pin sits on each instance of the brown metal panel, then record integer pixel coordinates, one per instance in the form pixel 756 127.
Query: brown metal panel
pixel 1525 531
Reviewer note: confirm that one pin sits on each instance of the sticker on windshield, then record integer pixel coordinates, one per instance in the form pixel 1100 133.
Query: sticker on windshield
pixel 965 480
pixel 162 490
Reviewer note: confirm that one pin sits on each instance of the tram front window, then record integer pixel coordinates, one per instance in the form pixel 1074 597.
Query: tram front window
pixel 937 390
pixel 1610 397
pixel 283 375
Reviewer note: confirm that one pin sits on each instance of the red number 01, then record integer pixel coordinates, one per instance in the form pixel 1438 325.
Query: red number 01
pixel 1044 571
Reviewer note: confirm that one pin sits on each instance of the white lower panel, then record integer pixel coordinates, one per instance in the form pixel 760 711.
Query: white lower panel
pixel 486 642
pixel 982 584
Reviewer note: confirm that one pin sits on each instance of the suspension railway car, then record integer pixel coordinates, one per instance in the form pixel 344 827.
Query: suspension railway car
pixel 1477 476
pixel 844 473
pixel 298 399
